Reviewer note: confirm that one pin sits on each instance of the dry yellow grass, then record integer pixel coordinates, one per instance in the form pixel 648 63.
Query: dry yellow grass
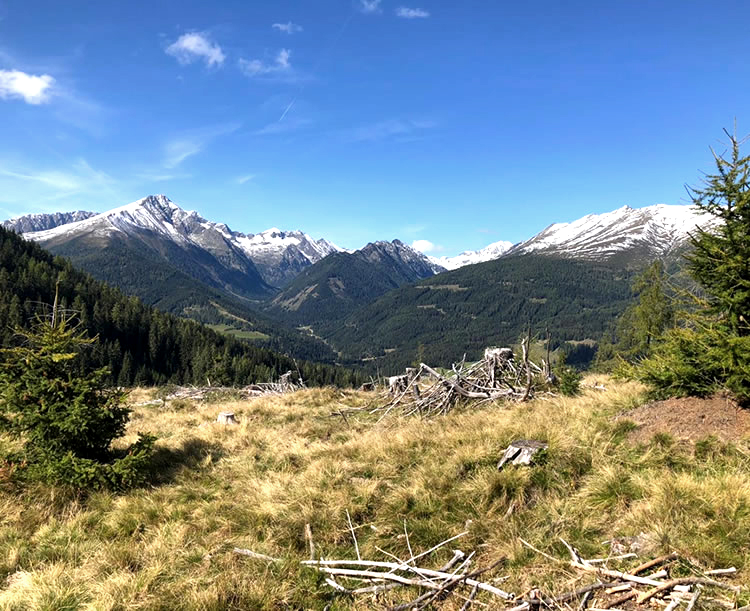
pixel 290 462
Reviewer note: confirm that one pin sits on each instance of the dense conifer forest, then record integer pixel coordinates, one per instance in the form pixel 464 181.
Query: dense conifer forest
pixel 494 303
pixel 139 344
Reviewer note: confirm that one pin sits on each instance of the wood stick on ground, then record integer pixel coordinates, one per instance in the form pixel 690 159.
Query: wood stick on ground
pixel 469 600
pixel 308 536
pixel 256 555
pixel 568 596
pixel 617 574
pixel 668 585
pixel 351 528
pixel 694 599
pixel 655 562
pixel 332 567
pixel 532 548
pixel 673 605
pixel 620 599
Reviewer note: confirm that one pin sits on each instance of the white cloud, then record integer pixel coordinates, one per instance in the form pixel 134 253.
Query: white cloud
pixel 256 67
pixel 411 13
pixel 192 142
pixel 423 246
pixel 289 27
pixel 369 6
pixel 31 88
pixel 195 46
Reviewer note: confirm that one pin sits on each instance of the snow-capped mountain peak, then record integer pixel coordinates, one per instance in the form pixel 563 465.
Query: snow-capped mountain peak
pixel 278 255
pixel 469 257
pixel 654 231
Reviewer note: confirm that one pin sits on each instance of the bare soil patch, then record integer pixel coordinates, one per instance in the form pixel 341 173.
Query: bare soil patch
pixel 691 418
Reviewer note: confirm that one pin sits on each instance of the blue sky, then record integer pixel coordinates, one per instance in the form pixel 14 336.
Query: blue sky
pixel 458 123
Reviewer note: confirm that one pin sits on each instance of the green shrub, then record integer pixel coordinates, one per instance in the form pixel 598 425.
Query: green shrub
pixel 66 420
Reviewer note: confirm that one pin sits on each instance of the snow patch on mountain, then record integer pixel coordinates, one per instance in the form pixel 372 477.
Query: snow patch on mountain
pixel 278 255
pixel 654 230
pixel 469 257
pixel 41 222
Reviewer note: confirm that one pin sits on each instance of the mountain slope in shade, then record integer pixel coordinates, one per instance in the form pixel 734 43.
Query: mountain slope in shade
pixel 469 257
pixel 640 234
pixel 342 282
pixel 40 222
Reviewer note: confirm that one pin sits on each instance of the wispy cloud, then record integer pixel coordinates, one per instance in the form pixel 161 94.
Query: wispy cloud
pixel 411 13
pixel 384 130
pixel 283 127
pixel 288 28
pixel 196 46
pixel 192 142
pixel 21 183
pixel 369 7
pixel 257 67
pixel 31 88
pixel 241 180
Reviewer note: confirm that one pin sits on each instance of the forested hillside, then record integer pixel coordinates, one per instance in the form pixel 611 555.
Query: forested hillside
pixel 139 344
pixel 342 282
pixel 463 311
pixel 162 284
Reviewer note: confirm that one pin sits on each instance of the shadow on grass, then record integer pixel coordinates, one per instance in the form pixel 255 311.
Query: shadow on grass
pixel 168 463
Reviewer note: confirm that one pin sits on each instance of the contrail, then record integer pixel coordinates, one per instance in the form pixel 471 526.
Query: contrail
pixel 288 108
pixel 321 57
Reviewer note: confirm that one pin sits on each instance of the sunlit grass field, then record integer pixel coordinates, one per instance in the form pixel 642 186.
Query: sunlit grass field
pixel 292 460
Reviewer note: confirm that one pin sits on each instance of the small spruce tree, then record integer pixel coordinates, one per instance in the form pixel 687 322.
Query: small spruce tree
pixel 66 420
pixel 710 349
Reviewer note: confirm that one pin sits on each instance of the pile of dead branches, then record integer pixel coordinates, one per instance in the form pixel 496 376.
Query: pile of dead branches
pixel 639 587
pixel 498 376
pixel 285 384
pixel 376 577
pixel 643 584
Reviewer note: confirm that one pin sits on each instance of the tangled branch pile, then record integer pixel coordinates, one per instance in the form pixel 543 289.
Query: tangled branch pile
pixel 497 376
pixel 640 585
pixel 285 384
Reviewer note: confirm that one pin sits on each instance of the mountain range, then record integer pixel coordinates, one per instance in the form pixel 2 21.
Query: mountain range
pixel 185 264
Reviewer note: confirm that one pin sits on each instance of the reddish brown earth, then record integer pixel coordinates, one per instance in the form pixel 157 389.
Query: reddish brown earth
pixel 691 418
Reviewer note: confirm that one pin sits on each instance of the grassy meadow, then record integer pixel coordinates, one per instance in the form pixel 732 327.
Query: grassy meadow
pixel 290 462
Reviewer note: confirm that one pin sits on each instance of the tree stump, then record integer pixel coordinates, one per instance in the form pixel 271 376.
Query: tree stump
pixel 226 418
pixel 521 452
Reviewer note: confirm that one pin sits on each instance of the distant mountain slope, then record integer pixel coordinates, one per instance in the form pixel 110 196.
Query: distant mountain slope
pixel 461 312
pixel 469 257
pixel 40 222
pixel 160 230
pixel 626 234
pixel 338 284
pixel 281 255
pixel 139 344
pixel 277 255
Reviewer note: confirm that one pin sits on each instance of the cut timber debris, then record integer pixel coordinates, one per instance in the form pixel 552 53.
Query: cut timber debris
pixel 609 589
pixel 283 385
pixel 521 452
pixel 627 585
pixel 498 376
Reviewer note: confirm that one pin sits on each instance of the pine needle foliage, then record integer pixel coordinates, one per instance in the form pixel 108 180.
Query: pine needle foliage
pixel 66 420
pixel 710 347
